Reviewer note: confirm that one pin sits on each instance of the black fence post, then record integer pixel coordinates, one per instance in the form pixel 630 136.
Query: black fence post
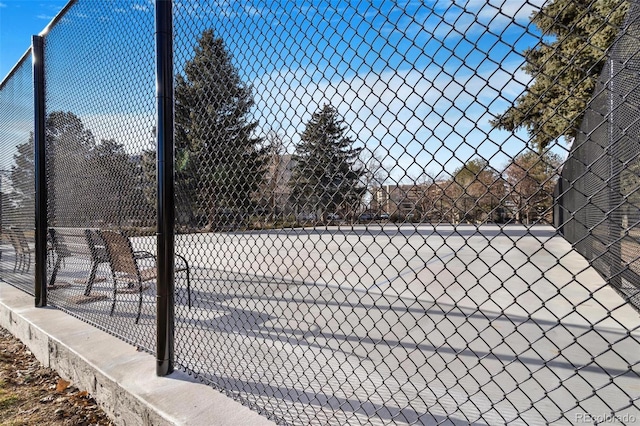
pixel 37 51
pixel 165 228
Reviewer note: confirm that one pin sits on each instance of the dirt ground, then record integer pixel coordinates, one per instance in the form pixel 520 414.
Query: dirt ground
pixel 31 394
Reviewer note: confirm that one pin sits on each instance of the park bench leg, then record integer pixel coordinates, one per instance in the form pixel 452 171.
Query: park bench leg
pixel 91 279
pixel 115 291
pixel 139 302
pixel 54 274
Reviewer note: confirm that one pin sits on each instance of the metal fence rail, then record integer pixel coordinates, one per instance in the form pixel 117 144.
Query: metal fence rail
pixel 362 233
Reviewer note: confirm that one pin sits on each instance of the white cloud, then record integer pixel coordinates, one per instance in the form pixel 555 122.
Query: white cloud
pixel 255 11
pixel 133 130
pixel 187 8
pixel 511 10
pixel 415 116
pixel 140 7
pixel 486 11
pixel 465 72
pixel 447 20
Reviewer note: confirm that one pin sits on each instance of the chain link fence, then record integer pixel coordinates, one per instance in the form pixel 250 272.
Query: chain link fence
pixel 376 273
pixel 597 197
pixel 17 208
pixel 363 212
pixel 100 124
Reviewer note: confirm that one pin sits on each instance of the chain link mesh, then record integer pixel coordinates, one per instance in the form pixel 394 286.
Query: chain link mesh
pixel 17 201
pixel 598 193
pixel 100 132
pixel 393 264
pixel 362 215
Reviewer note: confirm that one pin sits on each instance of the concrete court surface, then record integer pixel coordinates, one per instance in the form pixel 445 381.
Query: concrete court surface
pixel 383 324
pixel 412 324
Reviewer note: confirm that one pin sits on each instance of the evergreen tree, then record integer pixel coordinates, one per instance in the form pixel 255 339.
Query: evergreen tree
pixel 120 181
pixel 564 66
pixel 325 177
pixel 18 192
pixel 71 182
pixel 23 176
pixel 89 183
pixel 218 164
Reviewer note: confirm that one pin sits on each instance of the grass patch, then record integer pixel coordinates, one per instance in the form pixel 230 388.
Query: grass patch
pixel 8 400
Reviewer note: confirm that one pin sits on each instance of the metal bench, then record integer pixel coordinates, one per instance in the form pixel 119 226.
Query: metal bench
pixel 23 250
pixel 124 267
pixel 81 243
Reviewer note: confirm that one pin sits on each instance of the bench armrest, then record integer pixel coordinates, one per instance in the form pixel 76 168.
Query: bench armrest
pixel 142 254
pixel 186 265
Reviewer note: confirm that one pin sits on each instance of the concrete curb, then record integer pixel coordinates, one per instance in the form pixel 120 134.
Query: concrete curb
pixel 121 379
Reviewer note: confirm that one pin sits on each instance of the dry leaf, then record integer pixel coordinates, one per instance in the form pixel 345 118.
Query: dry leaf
pixel 62 385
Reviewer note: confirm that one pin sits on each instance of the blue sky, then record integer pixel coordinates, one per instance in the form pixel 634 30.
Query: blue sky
pixel 417 81
pixel 19 20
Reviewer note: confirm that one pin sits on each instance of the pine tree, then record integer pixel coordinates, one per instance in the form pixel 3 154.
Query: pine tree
pixel 120 182
pixel 325 177
pixel 219 164
pixel 88 183
pixel 565 67
pixel 71 180
pixel 18 192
